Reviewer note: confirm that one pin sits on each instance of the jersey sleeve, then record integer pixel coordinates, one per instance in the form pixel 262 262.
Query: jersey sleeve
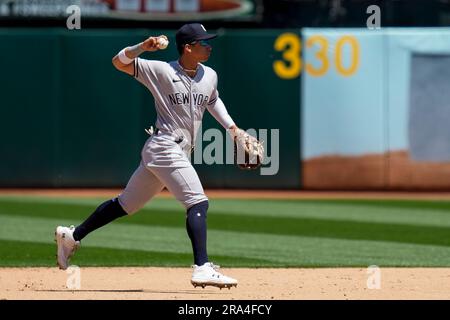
pixel 220 113
pixel 147 72
pixel 217 109
pixel 215 93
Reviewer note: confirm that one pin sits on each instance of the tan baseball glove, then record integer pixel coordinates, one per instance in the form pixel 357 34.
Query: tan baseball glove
pixel 248 151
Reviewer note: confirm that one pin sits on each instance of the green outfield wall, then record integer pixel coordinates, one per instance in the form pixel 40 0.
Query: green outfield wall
pixel 69 119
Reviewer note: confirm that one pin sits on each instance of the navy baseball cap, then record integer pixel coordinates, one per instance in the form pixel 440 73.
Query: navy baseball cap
pixel 192 32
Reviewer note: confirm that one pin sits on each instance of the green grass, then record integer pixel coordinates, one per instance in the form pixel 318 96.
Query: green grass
pixel 258 233
pixel 21 254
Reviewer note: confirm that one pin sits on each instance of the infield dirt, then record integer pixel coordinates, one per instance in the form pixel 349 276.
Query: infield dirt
pixel 174 283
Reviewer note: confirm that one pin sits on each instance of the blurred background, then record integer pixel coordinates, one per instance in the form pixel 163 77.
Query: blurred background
pixel 359 90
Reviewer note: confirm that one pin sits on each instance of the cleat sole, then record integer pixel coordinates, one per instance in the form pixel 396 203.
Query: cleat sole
pixel 214 284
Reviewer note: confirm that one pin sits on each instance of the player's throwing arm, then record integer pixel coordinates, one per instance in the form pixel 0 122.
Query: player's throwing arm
pixel 123 60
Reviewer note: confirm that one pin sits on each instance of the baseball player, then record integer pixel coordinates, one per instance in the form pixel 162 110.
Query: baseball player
pixel 183 89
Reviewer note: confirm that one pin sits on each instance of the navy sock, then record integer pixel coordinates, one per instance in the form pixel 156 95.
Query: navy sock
pixel 104 214
pixel 196 229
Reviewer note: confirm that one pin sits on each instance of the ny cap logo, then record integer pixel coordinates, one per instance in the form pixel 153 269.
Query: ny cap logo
pixel 203 27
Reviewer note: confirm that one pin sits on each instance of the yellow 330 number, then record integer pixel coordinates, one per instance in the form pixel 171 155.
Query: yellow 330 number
pixel 291 65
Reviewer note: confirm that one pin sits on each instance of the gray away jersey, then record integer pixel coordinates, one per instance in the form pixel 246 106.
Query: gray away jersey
pixel 180 101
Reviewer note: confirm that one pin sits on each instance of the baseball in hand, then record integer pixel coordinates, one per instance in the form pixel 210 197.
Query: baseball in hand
pixel 162 43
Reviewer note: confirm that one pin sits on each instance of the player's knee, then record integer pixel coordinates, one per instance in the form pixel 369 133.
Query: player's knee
pixel 127 206
pixel 200 207
pixel 192 200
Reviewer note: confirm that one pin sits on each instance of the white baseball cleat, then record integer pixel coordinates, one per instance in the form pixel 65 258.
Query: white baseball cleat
pixel 66 245
pixel 207 275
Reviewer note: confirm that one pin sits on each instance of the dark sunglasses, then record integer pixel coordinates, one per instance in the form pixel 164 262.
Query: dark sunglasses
pixel 203 43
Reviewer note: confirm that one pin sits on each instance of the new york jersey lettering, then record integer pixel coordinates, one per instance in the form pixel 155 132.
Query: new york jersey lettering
pixel 181 98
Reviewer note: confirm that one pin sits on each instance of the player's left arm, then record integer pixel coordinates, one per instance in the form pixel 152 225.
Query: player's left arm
pixel 220 113
pixel 218 110
pixel 253 150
